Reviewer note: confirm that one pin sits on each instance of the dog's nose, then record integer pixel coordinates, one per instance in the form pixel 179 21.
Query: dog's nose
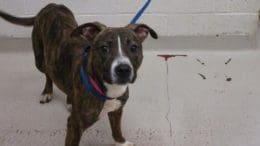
pixel 123 71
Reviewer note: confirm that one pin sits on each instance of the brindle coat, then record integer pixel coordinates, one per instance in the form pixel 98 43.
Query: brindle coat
pixel 57 43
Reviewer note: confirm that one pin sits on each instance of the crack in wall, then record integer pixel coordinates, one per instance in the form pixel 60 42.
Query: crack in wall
pixel 168 98
pixel 166 57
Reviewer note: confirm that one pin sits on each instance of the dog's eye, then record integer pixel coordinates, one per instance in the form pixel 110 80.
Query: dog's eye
pixel 133 48
pixel 104 49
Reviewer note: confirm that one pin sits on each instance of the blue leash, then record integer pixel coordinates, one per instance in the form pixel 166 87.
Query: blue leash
pixel 140 12
pixel 85 78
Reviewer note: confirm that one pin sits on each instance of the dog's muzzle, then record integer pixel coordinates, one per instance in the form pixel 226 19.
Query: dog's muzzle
pixel 123 74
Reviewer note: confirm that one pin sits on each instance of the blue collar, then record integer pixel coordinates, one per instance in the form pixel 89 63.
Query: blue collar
pixel 87 83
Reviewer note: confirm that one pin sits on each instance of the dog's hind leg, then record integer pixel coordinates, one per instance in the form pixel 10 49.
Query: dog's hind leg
pixel 47 93
pixel 38 51
pixel 37 43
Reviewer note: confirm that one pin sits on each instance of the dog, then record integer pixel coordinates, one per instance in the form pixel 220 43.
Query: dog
pixel 92 64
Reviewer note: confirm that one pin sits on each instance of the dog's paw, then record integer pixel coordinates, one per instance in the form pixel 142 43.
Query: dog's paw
pixel 69 107
pixel 45 98
pixel 126 143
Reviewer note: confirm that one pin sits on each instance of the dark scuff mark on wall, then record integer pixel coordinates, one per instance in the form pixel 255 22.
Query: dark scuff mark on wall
pixel 202 76
pixel 229 79
pixel 228 61
pixel 202 63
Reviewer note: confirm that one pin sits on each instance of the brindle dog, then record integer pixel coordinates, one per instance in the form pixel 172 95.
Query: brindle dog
pixel 114 56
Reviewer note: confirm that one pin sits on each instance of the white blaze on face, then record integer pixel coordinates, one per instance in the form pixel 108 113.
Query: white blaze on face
pixel 120 52
pixel 121 58
pixel 114 90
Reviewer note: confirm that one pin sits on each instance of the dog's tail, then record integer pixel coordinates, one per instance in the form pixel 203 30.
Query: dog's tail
pixel 17 20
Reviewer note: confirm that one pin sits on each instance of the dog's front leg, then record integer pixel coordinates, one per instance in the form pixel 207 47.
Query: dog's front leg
pixel 115 123
pixel 74 131
pixel 77 124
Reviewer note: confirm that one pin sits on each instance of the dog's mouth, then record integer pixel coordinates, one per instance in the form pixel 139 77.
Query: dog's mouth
pixel 107 78
pixel 116 80
pixel 122 81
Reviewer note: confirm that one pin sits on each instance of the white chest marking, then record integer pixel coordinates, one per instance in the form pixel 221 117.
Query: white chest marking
pixel 114 90
pixel 109 106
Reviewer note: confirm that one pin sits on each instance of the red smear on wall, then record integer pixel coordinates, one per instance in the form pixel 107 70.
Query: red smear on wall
pixel 167 56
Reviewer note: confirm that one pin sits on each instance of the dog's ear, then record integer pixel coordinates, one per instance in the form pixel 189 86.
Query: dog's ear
pixel 88 30
pixel 142 31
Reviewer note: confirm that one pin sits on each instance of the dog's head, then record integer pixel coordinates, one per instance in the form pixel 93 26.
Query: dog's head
pixel 116 53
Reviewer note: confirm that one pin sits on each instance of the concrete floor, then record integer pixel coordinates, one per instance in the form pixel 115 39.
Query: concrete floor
pixel 209 98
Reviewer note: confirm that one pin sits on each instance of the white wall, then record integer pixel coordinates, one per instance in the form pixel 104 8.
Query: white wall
pixel 168 17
